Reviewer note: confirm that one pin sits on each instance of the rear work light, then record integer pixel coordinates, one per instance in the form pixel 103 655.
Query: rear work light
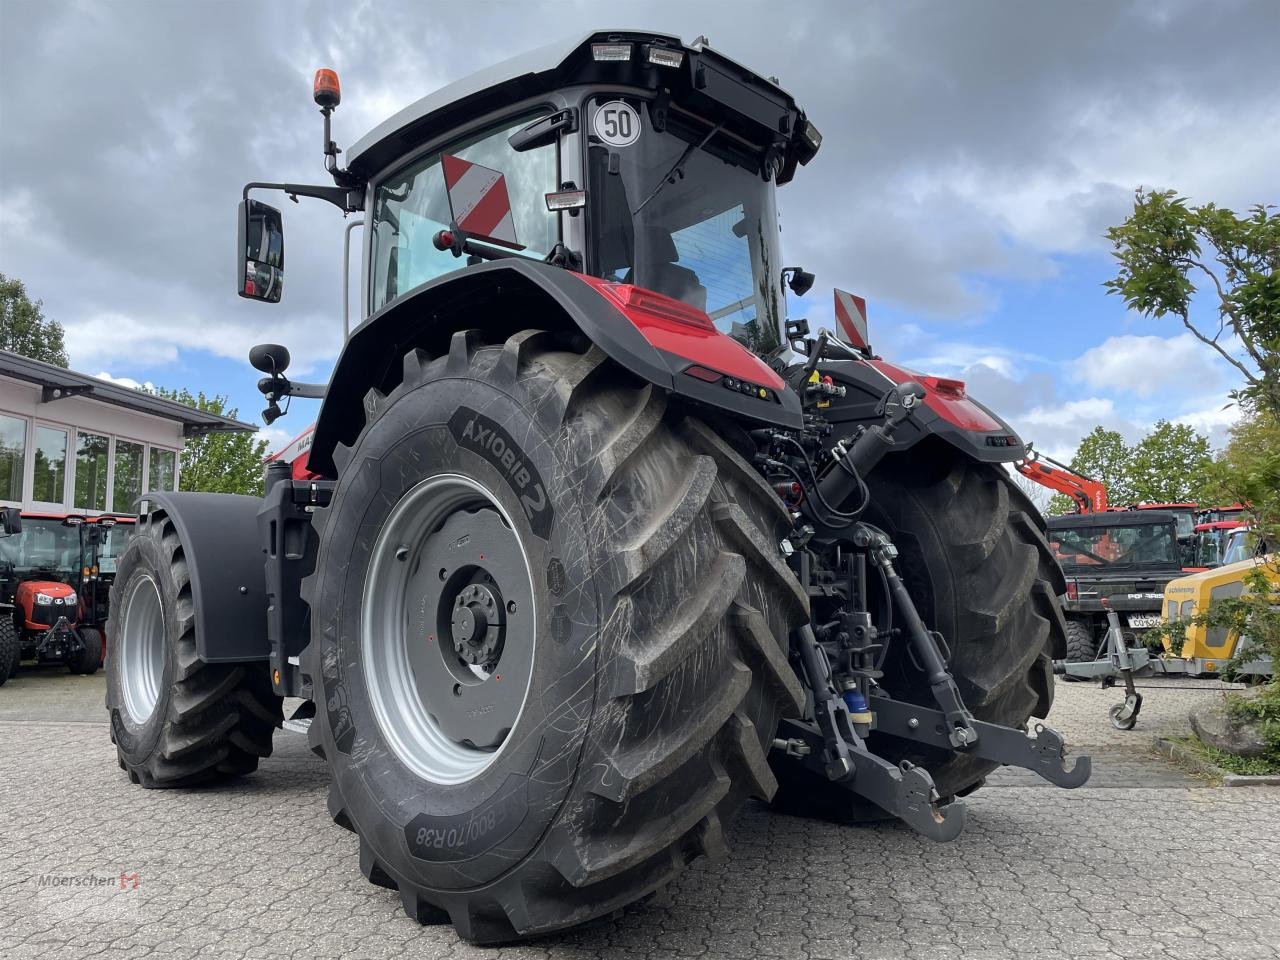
pixel 812 136
pixel 610 52
pixel 566 200
pixel 664 57
pixel 1073 590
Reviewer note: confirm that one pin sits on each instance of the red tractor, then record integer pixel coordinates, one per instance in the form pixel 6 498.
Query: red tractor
pixel 55 576
pixel 594 542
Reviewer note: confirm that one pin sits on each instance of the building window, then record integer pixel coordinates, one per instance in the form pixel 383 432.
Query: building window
pixel 162 468
pixel 13 449
pixel 127 486
pixel 92 452
pixel 50 480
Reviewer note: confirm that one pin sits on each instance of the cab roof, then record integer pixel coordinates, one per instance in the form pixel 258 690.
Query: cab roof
pixel 1117 518
pixel 708 74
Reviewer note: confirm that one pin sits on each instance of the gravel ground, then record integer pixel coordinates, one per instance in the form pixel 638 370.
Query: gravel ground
pixel 1145 861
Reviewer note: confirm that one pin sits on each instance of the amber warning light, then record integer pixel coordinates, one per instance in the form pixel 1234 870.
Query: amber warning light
pixel 326 90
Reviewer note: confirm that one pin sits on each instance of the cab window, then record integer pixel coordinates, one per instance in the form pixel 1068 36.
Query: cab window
pixel 411 206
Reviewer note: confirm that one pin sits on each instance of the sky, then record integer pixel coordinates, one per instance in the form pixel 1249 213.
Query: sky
pixel 974 154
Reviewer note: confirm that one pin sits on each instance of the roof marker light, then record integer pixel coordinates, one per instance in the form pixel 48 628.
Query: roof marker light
pixel 610 52
pixel 664 57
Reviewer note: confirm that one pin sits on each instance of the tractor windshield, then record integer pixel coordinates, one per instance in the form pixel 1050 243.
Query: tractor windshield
pixel 685 212
pixel 45 548
pixel 1139 544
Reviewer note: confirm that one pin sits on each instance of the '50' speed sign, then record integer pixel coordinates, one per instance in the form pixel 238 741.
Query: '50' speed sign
pixel 616 123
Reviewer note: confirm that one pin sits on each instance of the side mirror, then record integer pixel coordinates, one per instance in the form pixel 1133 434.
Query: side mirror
pixel 799 280
pixel 10 521
pixel 271 358
pixel 260 252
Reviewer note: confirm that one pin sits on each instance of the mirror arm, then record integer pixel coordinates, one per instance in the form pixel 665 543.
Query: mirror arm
pixel 348 201
pixel 308 391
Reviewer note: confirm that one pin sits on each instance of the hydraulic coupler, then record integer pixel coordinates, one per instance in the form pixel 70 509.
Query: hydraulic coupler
pixel 855 461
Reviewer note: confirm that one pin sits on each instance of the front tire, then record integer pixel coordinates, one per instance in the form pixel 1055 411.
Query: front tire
pixel 176 721
pixel 10 649
pixel 89 659
pixel 654 606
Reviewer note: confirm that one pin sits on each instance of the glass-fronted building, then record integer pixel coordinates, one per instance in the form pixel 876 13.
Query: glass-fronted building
pixel 71 443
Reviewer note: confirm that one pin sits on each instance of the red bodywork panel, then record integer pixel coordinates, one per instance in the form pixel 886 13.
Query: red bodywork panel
pixel 296 454
pixel 675 327
pixel 24 599
pixel 944 397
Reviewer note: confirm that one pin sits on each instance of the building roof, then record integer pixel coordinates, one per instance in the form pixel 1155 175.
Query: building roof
pixel 58 383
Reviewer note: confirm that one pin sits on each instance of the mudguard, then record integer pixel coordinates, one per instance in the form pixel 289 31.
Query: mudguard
pixel 660 340
pixel 947 412
pixel 219 536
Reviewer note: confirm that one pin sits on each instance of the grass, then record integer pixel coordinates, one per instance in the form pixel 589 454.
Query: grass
pixel 1266 765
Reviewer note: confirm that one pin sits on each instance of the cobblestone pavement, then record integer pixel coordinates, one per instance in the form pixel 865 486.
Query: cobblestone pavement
pixel 1144 862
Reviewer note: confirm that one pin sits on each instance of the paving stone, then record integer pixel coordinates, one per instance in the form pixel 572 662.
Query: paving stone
pixel 1145 861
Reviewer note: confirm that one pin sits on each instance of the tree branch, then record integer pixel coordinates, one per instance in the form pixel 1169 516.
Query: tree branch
pixel 1226 356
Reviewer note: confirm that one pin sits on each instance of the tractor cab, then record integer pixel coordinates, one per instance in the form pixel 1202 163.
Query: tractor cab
pixel 642 166
pixel 630 157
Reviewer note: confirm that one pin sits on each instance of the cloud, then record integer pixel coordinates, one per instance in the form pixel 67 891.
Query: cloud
pixel 968 149
pixel 129 382
pixel 1057 428
pixel 1148 365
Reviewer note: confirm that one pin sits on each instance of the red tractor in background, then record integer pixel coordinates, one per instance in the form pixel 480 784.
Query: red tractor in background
pixel 55 577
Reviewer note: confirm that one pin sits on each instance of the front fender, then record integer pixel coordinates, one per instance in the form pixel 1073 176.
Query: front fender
pixel 506 296
pixel 219 537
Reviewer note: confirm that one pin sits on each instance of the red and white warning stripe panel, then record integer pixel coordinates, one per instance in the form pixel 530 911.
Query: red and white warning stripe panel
pixel 479 202
pixel 851 320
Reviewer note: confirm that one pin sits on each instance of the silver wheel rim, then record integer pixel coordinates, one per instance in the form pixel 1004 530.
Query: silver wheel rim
pixel 426 698
pixel 141 641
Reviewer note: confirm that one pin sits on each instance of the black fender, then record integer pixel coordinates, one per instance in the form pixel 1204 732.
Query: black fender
pixel 947 411
pixel 219 537
pixel 503 297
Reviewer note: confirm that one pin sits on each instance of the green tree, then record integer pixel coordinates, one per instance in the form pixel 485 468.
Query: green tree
pixel 1171 464
pixel 1162 250
pixel 1167 246
pixel 219 462
pixel 24 329
pixel 1102 455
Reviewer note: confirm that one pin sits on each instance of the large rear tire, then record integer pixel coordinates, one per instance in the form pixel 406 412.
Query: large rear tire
pixel 973 554
pixel 176 721
pixel 643 651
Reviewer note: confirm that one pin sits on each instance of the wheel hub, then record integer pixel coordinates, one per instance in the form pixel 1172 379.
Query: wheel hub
pixel 477 625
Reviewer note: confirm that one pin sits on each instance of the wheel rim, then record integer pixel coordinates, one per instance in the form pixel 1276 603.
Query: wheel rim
pixel 142 638
pixel 448 629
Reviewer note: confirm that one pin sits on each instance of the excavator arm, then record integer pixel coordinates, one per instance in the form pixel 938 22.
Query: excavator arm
pixel 1090 495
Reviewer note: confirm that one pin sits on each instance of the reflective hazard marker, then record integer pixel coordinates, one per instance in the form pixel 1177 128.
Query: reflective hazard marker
pixel 478 201
pixel 851 321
